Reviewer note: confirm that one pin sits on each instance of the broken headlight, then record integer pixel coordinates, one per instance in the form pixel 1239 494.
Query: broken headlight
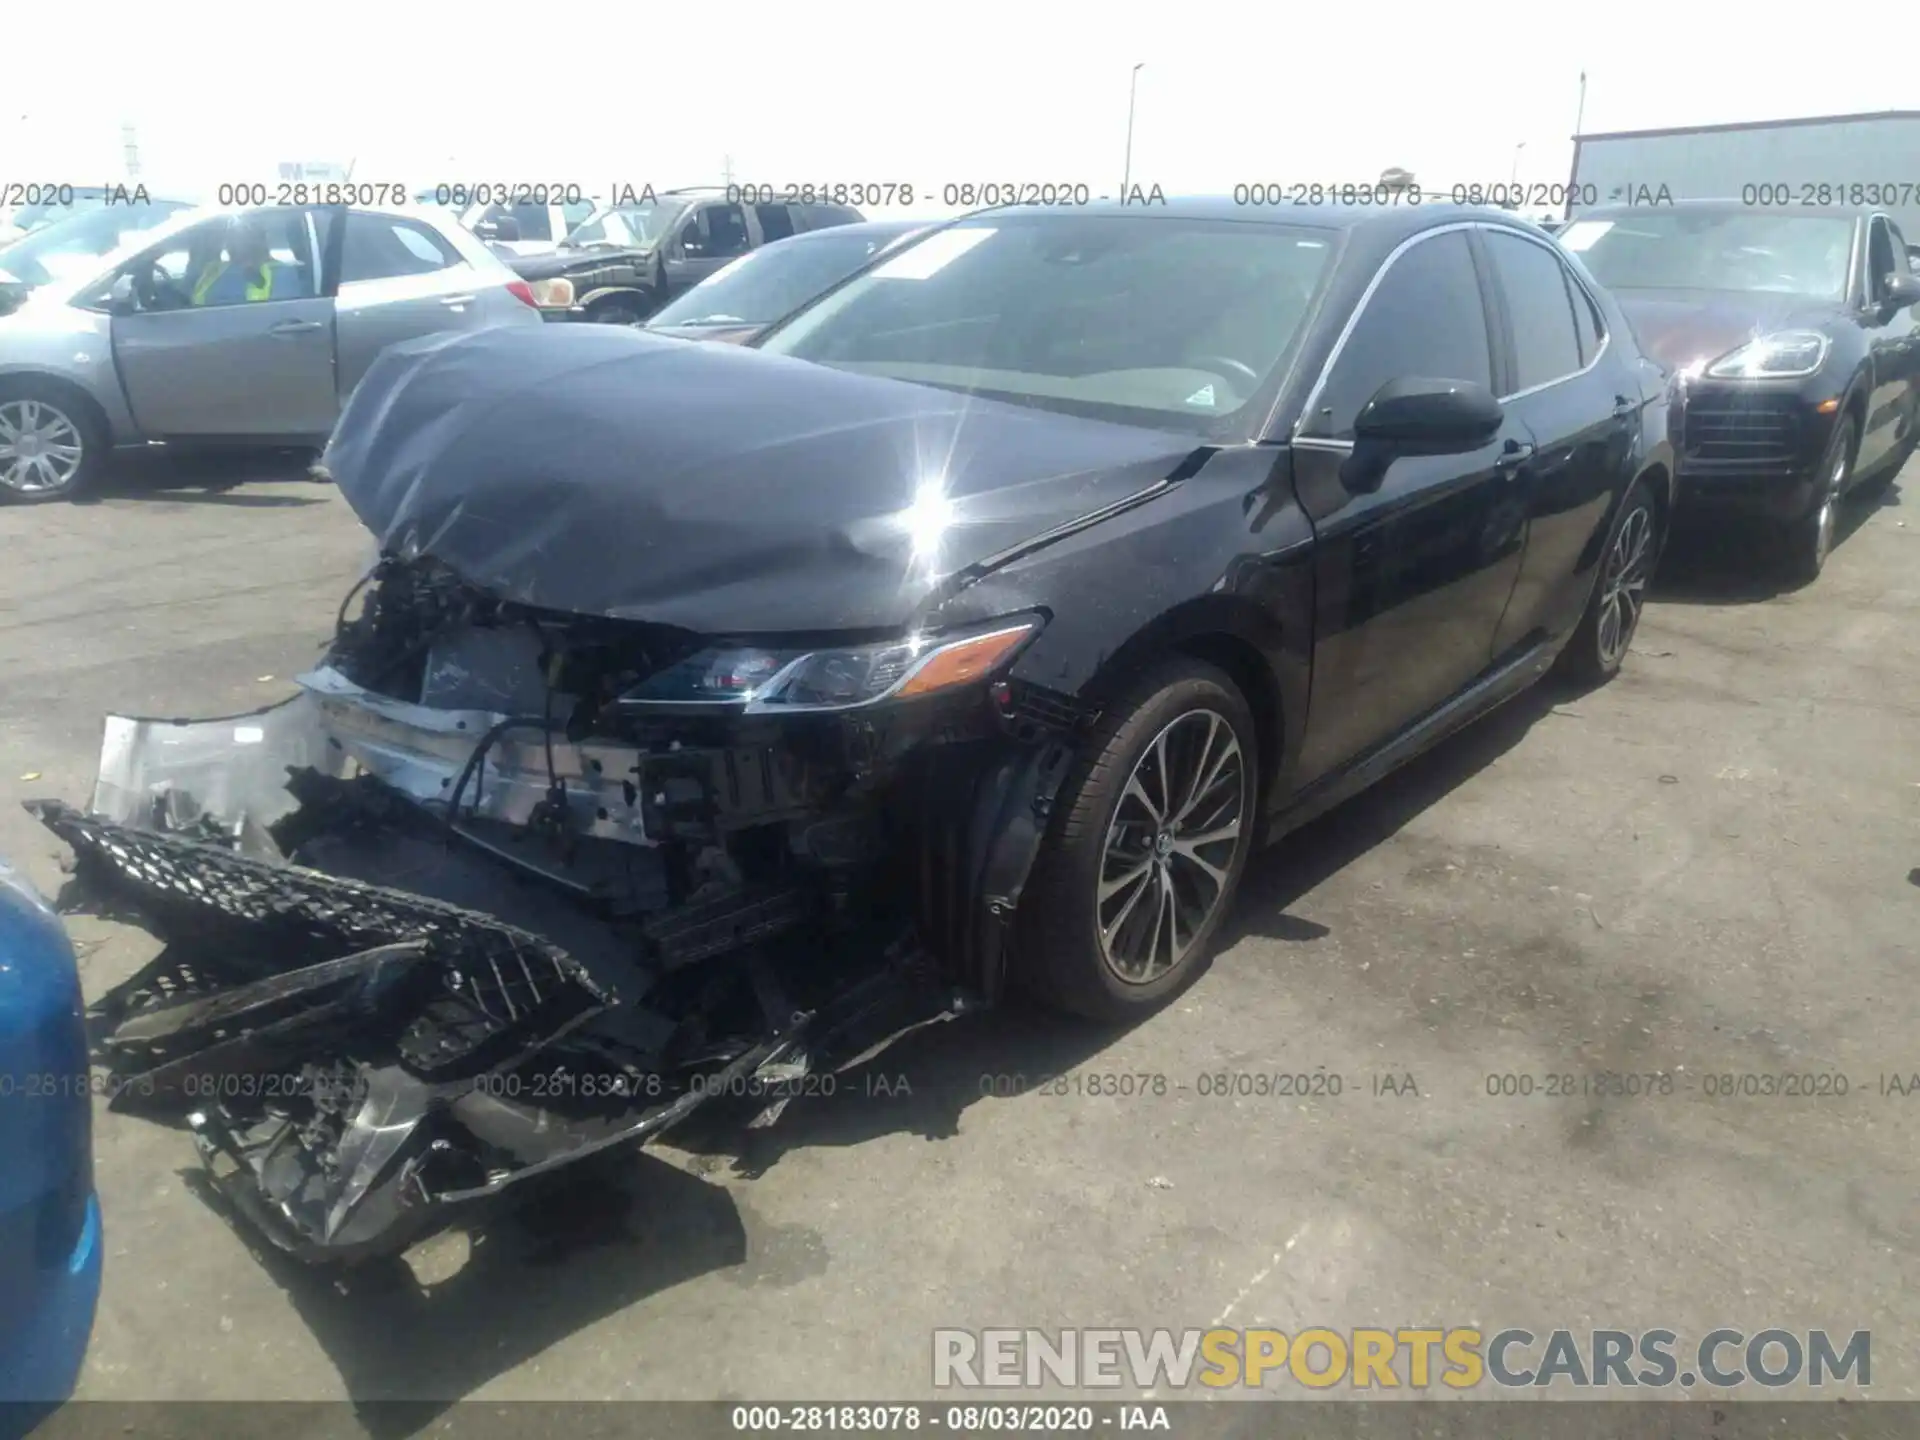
pixel 840 678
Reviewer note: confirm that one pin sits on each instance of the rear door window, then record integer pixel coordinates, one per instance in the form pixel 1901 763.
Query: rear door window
pixel 379 247
pixel 1546 341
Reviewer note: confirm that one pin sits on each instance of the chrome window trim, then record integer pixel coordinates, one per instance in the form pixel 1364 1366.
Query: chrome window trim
pixel 1366 299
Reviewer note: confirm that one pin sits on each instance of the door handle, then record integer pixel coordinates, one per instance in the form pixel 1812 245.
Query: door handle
pixel 295 327
pixel 1622 407
pixel 1513 457
pixel 452 300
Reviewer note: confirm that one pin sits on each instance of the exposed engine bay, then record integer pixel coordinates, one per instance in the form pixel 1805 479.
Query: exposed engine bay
pixel 502 887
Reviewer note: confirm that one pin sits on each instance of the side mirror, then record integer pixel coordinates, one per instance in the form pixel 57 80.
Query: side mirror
pixel 1417 416
pixel 1433 415
pixel 1902 291
pixel 1913 256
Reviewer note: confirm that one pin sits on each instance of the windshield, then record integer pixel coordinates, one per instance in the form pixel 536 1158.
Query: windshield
pixel 69 245
pixel 1740 250
pixel 639 227
pixel 51 212
pixel 765 284
pixel 1158 321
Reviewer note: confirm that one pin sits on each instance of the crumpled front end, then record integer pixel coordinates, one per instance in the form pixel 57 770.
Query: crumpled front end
pixel 490 895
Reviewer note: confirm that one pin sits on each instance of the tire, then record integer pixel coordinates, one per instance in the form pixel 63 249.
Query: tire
pixel 47 423
pixel 1810 538
pixel 1109 799
pixel 1599 643
pixel 616 312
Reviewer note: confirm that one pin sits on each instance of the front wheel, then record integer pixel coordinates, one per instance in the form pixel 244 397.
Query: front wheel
pixel 1605 633
pixel 50 447
pixel 1810 540
pixel 617 312
pixel 1150 836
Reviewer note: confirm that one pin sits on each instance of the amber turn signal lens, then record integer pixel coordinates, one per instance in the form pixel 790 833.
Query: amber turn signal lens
pixel 964 660
pixel 1827 407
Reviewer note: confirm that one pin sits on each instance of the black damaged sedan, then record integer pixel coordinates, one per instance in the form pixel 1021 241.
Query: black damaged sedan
pixel 716 715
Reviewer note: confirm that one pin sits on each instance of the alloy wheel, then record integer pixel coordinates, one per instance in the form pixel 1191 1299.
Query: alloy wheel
pixel 1170 847
pixel 1624 584
pixel 1825 517
pixel 40 448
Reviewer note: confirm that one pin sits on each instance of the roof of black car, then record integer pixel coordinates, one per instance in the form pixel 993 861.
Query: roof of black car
pixel 1399 216
pixel 1720 207
pixel 872 229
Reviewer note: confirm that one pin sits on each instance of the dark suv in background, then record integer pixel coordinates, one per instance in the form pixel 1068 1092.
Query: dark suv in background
pixel 1792 336
pixel 628 260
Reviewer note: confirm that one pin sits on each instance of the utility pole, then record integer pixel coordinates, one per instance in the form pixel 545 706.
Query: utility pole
pixel 726 171
pixel 1133 87
pixel 1579 120
pixel 130 150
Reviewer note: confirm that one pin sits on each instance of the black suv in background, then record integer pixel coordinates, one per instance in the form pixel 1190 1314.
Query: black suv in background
pixel 626 261
pixel 1792 335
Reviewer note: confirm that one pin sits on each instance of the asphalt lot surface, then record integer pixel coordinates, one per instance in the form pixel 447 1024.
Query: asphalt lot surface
pixel 1705 868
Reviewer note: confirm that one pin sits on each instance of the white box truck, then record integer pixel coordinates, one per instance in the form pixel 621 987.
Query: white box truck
pixel 1866 161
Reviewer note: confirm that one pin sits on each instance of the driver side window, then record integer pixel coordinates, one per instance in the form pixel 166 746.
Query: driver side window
pixel 1425 319
pixel 230 260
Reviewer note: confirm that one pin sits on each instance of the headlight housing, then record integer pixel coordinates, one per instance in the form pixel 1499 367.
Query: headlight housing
pixel 554 294
pixel 759 681
pixel 1779 356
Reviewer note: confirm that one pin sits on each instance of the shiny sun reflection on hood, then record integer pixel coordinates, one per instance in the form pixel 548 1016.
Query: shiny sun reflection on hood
pixel 926 522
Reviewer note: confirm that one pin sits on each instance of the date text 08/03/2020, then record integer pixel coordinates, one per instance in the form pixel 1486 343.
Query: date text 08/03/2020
pixel 1042 1419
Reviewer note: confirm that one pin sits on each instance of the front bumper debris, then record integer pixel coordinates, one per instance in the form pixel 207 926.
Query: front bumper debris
pixel 373 1005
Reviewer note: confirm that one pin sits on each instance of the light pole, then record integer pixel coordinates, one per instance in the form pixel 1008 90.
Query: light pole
pixel 1513 175
pixel 1133 87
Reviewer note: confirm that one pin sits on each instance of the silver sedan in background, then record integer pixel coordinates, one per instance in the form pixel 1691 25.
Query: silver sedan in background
pixel 249 325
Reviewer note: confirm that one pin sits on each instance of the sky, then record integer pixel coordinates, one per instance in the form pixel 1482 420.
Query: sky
pixel 849 91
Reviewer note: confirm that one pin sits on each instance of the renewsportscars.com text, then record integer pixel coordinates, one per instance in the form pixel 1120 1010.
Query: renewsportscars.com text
pixel 1459 1358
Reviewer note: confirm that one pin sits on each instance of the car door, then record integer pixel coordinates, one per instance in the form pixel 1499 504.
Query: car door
pixel 1582 411
pixel 231 367
pixel 1891 341
pixel 711 235
pixel 396 277
pixel 1413 566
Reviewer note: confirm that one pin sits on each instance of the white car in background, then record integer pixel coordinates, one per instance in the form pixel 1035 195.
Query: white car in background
pixel 530 229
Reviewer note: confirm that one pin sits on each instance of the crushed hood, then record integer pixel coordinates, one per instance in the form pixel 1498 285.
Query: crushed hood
pixel 1679 327
pixel 602 470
